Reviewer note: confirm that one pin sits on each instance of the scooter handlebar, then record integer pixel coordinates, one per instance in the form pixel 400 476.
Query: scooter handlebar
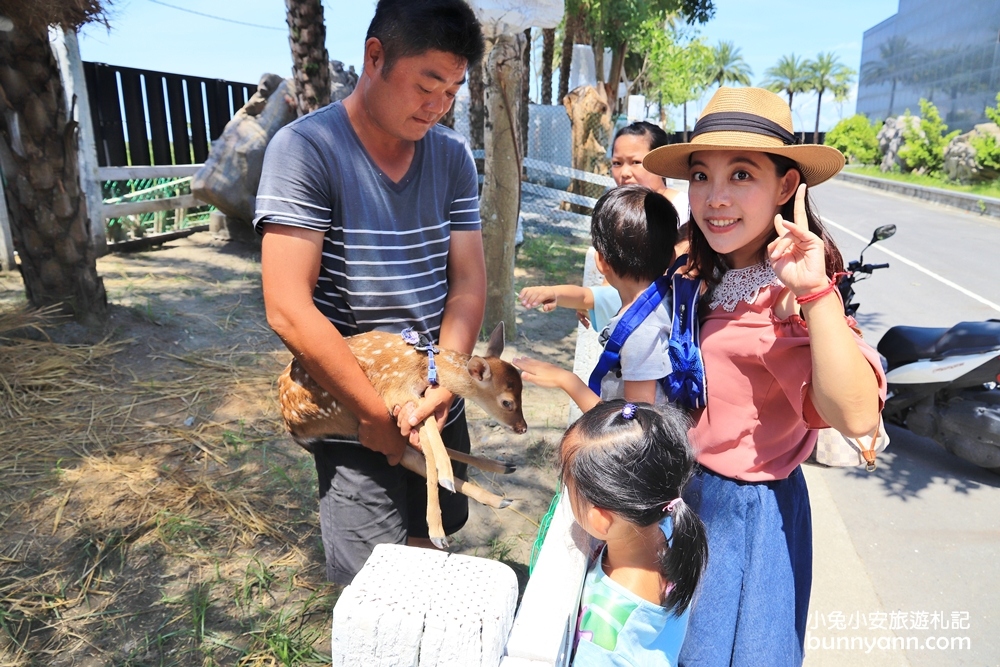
pixel 868 268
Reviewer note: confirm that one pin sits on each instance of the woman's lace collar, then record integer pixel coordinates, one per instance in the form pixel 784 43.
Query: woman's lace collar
pixel 742 285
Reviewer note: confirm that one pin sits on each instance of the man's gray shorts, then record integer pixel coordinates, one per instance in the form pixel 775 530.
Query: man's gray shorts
pixel 363 501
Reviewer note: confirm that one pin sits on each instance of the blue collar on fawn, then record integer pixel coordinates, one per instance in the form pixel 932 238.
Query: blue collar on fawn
pixel 422 343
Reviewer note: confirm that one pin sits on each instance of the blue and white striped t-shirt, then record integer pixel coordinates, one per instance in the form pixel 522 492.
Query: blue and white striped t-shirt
pixel 385 254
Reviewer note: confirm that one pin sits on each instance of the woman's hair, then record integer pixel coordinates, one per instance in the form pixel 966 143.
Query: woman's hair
pixel 635 230
pixel 634 467
pixel 710 265
pixel 654 133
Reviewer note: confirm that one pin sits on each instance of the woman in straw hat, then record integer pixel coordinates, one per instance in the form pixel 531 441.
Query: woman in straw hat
pixel 780 359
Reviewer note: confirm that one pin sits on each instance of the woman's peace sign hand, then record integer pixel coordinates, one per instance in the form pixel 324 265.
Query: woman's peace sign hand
pixel 797 255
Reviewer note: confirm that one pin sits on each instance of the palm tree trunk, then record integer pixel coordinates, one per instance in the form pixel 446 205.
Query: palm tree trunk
pixel 790 99
pixel 819 101
pixel 47 205
pixel 548 53
pixel 310 62
pixel 892 98
pixel 566 59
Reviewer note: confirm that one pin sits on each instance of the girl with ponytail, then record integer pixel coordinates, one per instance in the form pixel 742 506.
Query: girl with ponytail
pixel 625 466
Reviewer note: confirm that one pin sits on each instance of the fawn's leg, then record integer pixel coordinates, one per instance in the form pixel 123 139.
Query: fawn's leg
pixel 484 464
pixel 413 461
pixel 431 437
pixel 435 529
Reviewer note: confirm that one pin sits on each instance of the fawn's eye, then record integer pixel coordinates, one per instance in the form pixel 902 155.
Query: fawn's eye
pixel 507 405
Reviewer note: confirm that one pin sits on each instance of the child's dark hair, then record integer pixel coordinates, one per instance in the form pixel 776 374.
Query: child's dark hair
pixel 654 133
pixel 635 230
pixel 710 265
pixel 413 27
pixel 634 468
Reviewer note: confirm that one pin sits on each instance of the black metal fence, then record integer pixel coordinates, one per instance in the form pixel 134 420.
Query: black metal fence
pixel 143 117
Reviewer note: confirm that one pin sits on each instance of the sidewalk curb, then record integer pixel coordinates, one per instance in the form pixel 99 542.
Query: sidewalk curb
pixel 840 584
pixel 986 206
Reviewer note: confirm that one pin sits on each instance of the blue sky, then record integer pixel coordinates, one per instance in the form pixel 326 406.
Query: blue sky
pixel 150 35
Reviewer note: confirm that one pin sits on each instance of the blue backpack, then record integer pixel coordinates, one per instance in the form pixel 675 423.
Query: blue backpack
pixel 685 385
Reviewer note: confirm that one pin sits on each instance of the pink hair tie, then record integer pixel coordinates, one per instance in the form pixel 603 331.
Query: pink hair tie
pixel 669 507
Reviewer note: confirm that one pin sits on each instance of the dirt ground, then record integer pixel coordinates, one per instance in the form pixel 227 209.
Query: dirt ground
pixel 152 509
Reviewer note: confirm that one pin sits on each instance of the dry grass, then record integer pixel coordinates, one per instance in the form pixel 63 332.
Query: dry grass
pixel 140 495
pixel 152 509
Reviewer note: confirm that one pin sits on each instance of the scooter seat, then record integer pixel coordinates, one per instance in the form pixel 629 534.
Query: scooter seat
pixel 970 338
pixel 902 345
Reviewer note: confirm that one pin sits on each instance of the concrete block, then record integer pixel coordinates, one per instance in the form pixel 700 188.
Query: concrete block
pixel 424 608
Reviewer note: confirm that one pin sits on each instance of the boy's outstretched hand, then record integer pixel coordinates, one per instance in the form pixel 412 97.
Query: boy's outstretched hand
pixel 542 295
pixel 549 375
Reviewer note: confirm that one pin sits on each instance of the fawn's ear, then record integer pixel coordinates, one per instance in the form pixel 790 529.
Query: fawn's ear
pixel 479 369
pixel 495 347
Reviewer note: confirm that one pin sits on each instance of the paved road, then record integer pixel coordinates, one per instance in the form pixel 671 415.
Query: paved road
pixel 926 525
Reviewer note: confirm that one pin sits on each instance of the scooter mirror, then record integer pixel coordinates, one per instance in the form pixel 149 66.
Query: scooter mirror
pixel 882 233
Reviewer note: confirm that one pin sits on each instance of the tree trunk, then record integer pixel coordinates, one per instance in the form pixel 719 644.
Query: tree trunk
pixel 892 98
pixel 685 121
pixel 310 62
pixel 790 99
pixel 523 108
pixel 548 53
pixel 476 104
pixel 819 102
pixel 590 124
pixel 47 206
pixel 500 202
pixel 615 76
pixel 448 120
pixel 598 50
pixel 566 59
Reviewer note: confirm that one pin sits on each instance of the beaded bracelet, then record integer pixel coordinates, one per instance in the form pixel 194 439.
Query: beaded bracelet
pixel 809 298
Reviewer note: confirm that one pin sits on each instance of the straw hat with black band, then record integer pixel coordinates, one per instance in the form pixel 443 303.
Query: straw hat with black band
pixel 746 119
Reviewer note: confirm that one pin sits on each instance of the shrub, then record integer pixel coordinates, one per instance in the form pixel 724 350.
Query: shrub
pixel 856 138
pixel 924 147
pixel 987 149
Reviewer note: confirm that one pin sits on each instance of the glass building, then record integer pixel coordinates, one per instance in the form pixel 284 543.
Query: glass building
pixel 945 52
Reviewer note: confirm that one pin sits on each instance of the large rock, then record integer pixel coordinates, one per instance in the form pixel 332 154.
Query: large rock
pixel 342 82
pixel 890 141
pixel 960 156
pixel 231 173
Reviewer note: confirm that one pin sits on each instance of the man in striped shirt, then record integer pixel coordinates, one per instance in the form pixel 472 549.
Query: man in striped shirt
pixel 370 217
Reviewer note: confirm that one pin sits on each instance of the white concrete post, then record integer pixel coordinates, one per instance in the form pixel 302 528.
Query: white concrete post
pixel 67 53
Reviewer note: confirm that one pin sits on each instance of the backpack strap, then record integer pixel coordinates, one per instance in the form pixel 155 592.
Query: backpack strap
pixel 685 385
pixel 633 317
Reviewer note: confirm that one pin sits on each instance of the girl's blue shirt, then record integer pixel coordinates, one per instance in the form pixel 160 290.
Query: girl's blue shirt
pixel 620 629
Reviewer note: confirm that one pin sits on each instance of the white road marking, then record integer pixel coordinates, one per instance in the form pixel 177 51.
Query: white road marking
pixel 942 279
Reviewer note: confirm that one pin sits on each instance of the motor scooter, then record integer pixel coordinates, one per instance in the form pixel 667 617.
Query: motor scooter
pixel 942 383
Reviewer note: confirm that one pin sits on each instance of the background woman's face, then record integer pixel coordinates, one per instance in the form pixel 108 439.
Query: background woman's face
pixel 626 162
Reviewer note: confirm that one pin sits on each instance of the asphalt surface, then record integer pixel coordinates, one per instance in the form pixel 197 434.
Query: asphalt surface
pixel 908 557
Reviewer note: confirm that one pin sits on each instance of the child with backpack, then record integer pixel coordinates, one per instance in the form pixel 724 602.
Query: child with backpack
pixel 648 357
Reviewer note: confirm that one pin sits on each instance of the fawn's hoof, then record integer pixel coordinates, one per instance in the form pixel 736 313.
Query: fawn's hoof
pixel 447 484
pixel 509 467
pixel 440 542
pixel 505 503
